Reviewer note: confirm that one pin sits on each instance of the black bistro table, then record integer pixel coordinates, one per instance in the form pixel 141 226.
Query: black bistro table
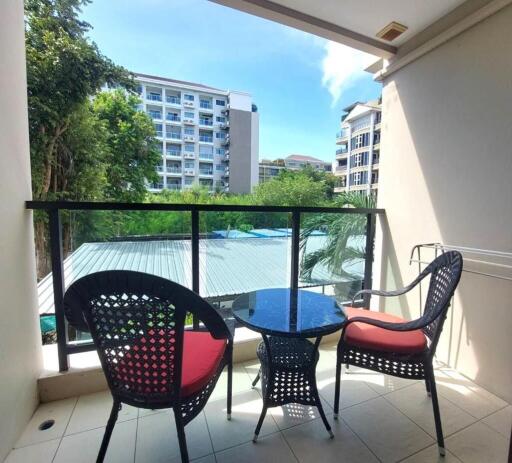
pixel 286 318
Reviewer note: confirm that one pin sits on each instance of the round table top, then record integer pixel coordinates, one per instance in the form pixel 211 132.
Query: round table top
pixel 288 313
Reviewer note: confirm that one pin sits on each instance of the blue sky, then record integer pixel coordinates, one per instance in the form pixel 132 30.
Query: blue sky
pixel 298 81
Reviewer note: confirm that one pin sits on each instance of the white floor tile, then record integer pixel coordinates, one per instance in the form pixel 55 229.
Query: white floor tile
pixel 206 459
pixel 290 415
pixel 157 440
pixel 241 382
pixel 467 395
pixel 477 444
pixel 354 389
pixel 501 421
pixel 246 411
pixel 431 455
pixel 310 443
pixel 388 433
pixel 42 453
pixel 84 446
pixel 270 449
pixel 414 402
pixel 60 411
pixel 93 410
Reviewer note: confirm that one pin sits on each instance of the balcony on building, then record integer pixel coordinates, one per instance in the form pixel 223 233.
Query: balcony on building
pixel 173 185
pixel 206 104
pixel 173 151
pixel 154 112
pixel 342 136
pixel 205 136
pixel 205 120
pixel 173 116
pixel 153 94
pixel 172 133
pixel 173 168
pixel 172 98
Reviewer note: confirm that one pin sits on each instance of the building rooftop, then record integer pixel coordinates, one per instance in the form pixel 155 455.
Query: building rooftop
pixel 227 266
pixel 178 82
pixel 303 157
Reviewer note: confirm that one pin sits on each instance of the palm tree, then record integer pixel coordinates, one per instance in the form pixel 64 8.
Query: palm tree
pixel 344 245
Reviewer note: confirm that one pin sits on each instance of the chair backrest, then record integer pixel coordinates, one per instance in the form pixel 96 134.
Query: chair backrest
pixel 445 272
pixel 137 321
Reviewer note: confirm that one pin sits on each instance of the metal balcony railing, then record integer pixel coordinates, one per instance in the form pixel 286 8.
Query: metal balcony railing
pixel 198 212
pixel 173 100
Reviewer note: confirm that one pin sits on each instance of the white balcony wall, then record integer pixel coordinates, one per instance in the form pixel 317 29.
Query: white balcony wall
pixel 20 351
pixel 446 169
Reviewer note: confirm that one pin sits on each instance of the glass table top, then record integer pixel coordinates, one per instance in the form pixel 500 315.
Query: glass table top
pixel 284 312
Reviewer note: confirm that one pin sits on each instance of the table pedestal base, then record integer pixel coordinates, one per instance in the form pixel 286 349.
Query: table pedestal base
pixel 288 375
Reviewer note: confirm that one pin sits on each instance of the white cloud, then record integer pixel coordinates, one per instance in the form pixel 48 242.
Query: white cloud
pixel 342 66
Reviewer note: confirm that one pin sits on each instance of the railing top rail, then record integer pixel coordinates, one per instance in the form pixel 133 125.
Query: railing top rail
pixel 90 205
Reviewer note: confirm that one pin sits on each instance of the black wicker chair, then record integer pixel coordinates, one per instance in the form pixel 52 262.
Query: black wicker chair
pixel 137 322
pixel 397 347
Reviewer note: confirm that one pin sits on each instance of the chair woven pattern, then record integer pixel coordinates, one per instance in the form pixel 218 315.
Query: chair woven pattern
pixel 290 378
pixel 391 364
pixel 137 337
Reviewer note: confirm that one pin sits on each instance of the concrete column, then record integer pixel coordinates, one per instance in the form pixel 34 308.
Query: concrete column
pixel 20 338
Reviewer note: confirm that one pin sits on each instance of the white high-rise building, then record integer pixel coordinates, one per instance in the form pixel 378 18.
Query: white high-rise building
pixel 357 158
pixel 207 136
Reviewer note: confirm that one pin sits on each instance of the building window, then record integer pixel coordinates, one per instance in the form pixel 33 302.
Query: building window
pixel 378 117
pixel 359 141
pixel 220 167
pixel 189 164
pixel 375 176
pixel 188 131
pixel 158 130
pixel 205 104
pixel 220 119
pixel 220 135
pixel 188 180
pixel 189 147
pixel 188 97
pixel 154 114
pixel 376 137
pixel 154 96
pixel 359 178
pixel 173 117
pixel 220 102
pixel 189 114
pixel 220 151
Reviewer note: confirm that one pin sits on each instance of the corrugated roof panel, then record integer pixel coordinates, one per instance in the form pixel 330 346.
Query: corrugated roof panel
pixel 227 267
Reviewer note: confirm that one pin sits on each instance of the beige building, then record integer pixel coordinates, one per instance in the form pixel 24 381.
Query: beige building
pixel 270 169
pixel 357 158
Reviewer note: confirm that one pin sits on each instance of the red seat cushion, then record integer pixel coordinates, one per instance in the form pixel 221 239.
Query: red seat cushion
pixel 144 368
pixel 201 358
pixel 374 338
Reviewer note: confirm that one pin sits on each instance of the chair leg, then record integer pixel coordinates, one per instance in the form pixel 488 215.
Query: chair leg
pixel 427 386
pixel 230 387
pixel 437 414
pixel 256 379
pixel 108 431
pixel 260 422
pixel 337 390
pixel 180 429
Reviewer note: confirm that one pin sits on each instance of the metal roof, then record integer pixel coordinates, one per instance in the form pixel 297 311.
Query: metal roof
pixel 227 266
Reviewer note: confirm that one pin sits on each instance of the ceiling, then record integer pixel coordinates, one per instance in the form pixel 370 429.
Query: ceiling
pixel 367 17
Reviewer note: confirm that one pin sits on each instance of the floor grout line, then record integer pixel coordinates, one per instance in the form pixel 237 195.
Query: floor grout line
pixel 65 429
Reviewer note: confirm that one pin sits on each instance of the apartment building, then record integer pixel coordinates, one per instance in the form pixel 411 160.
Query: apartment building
pixel 357 158
pixel 269 169
pixel 207 136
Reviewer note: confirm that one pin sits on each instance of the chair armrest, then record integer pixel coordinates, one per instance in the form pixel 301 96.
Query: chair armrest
pixel 396 292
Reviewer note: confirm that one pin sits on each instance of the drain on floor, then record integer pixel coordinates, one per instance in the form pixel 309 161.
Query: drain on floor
pixel 47 424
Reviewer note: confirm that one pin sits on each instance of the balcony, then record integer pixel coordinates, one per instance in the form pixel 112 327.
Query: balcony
pixel 173 100
pixel 205 105
pixel 205 172
pixel 174 170
pixel 341 152
pixel 206 156
pixel 173 135
pixel 341 168
pixel 205 122
pixel 383 418
pixel 206 138
pixel 342 136
pixel 173 154
pixel 173 186
pixel 173 118
pixel 153 97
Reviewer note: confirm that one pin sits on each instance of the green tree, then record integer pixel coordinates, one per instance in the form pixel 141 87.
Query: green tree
pixel 132 150
pixel 291 189
pixel 345 243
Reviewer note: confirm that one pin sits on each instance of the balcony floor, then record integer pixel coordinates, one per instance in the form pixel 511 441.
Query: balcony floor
pixel 381 419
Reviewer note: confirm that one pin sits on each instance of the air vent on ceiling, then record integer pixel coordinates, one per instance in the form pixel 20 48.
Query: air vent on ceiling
pixel 391 31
